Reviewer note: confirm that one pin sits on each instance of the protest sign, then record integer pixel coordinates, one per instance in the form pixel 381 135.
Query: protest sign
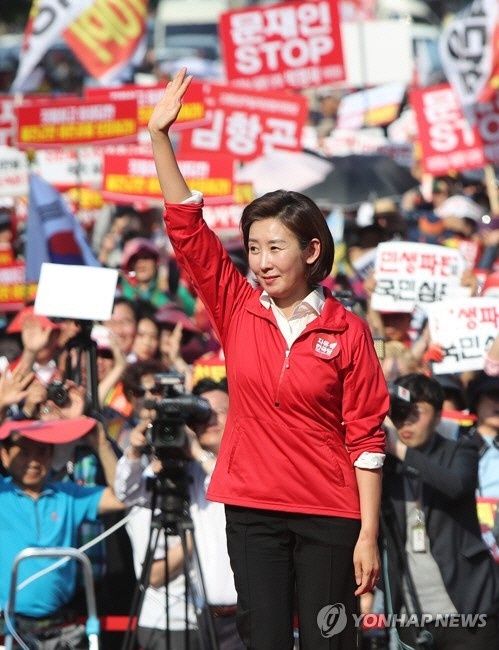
pixel 288 45
pixel 371 107
pixel 66 168
pixel 14 293
pixel 449 142
pixel 409 274
pixel 13 172
pixel 130 177
pixel 63 122
pixel 108 36
pixel 191 114
pixel 247 124
pixel 469 49
pixel 465 328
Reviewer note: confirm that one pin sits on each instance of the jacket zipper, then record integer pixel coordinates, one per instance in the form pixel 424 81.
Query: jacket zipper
pixel 285 366
pixel 37 520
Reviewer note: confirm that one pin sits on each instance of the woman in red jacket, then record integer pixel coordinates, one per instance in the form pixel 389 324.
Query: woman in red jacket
pixel 300 464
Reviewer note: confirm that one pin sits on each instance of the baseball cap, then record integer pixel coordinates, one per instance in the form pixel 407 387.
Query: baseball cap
pixel 170 314
pixel 26 313
pixel 48 431
pixel 136 247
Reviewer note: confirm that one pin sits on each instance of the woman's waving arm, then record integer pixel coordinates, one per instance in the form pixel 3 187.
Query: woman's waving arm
pixel 173 185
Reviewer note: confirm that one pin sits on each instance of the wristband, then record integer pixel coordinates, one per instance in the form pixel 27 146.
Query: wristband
pixel 205 456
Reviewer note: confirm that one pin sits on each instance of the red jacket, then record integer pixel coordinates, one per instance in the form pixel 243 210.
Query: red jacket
pixel 297 420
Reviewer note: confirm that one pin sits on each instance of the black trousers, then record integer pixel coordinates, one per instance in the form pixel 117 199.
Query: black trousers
pixel 287 562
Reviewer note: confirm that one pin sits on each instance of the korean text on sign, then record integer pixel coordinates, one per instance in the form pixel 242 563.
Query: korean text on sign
pixel 409 274
pixel 465 329
pixel 246 124
pixel 288 45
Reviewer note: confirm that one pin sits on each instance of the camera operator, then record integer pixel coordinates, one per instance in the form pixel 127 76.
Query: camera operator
pixel 202 446
pixel 438 566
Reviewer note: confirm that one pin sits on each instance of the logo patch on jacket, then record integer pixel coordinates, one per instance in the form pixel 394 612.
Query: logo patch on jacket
pixel 325 347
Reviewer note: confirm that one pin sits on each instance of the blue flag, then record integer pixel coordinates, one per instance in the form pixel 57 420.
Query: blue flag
pixel 53 233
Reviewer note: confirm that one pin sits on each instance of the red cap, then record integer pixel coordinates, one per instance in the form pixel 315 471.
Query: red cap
pixel 50 431
pixel 136 247
pixel 27 313
pixel 170 314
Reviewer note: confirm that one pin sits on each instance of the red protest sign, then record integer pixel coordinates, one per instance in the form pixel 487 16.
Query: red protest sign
pixel 14 293
pixel 191 114
pixel 288 45
pixel 246 125
pixel 448 141
pixel 75 122
pixel 131 177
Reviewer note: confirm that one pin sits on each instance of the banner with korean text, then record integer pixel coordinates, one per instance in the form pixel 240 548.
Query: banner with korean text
pixel 448 141
pixel 67 168
pixel 108 35
pixel 14 292
pixel 191 114
pixel 465 328
pixel 130 177
pixel 409 274
pixel 72 122
pixel 247 124
pixel 289 45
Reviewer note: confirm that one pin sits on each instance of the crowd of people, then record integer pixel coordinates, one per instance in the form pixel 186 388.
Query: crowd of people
pixel 320 466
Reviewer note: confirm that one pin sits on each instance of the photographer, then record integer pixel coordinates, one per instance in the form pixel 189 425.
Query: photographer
pixel 437 565
pixel 202 446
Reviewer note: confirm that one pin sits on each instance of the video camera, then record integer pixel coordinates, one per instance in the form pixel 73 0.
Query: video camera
pixel 58 393
pixel 166 435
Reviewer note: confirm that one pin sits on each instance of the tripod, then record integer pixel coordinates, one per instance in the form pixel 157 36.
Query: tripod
pixel 170 515
pixel 83 343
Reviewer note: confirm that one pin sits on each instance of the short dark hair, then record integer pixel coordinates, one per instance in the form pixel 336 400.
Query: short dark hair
pixel 423 389
pixel 305 220
pixel 207 384
pixel 134 372
pixel 121 300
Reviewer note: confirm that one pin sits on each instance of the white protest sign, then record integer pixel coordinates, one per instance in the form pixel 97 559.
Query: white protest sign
pixel 13 172
pixel 409 274
pixel 65 168
pixel 465 329
pixel 73 291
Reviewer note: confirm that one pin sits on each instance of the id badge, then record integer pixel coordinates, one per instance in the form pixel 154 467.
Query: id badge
pixel 418 538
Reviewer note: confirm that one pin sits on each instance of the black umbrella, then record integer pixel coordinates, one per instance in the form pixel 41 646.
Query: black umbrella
pixel 358 178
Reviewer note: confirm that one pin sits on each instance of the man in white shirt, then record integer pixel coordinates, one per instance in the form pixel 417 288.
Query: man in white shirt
pixel 208 517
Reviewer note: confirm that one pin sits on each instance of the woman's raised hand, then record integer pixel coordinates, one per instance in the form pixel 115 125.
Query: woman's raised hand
pixel 167 109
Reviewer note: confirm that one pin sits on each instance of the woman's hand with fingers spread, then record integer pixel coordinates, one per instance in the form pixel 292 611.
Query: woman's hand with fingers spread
pixel 167 109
